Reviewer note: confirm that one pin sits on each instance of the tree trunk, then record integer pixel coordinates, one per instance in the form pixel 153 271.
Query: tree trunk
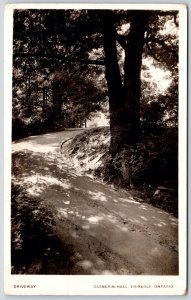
pixel 130 131
pixel 124 100
pixel 113 78
pixel 44 103
pixel 28 99
pixel 57 101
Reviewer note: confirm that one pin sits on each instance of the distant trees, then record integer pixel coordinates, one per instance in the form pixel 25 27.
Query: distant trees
pixel 77 97
pixel 49 82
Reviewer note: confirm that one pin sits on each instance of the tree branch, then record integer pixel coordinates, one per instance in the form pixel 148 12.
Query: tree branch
pixel 150 50
pixel 121 40
pixel 60 57
pixel 175 20
pixel 163 44
pixel 166 12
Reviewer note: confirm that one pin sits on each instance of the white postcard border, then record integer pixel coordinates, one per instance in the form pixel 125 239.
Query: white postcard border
pixel 102 284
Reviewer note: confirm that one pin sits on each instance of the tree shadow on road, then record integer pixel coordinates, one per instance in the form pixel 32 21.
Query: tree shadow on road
pixel 97 210
pixel 35 248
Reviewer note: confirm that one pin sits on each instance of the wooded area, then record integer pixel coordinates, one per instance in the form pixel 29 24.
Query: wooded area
pixel 68 63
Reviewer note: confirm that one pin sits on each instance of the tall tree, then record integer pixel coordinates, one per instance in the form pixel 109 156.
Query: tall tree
pixel 124 97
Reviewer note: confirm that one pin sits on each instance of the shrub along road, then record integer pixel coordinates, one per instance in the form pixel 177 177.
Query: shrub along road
pixel 105 231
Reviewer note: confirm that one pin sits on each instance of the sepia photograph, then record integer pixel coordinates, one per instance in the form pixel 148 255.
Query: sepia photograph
pixel 95 165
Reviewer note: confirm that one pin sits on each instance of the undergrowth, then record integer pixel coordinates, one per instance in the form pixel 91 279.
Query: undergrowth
pixel 149 169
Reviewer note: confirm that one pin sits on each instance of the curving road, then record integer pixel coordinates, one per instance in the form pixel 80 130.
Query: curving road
pixel 108 231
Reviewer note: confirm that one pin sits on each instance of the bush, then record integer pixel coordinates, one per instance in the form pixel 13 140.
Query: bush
pixel 154 161
pixel 19 129
pixel 150 169
pixel 22 128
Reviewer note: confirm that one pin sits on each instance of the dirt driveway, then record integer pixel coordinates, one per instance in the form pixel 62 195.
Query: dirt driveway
pixel 107 230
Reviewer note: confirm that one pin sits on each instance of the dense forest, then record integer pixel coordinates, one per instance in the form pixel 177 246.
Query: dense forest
pixel 69 64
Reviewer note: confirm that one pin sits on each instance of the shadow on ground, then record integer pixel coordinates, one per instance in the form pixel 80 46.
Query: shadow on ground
pixel 111 232
pixel 36 249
